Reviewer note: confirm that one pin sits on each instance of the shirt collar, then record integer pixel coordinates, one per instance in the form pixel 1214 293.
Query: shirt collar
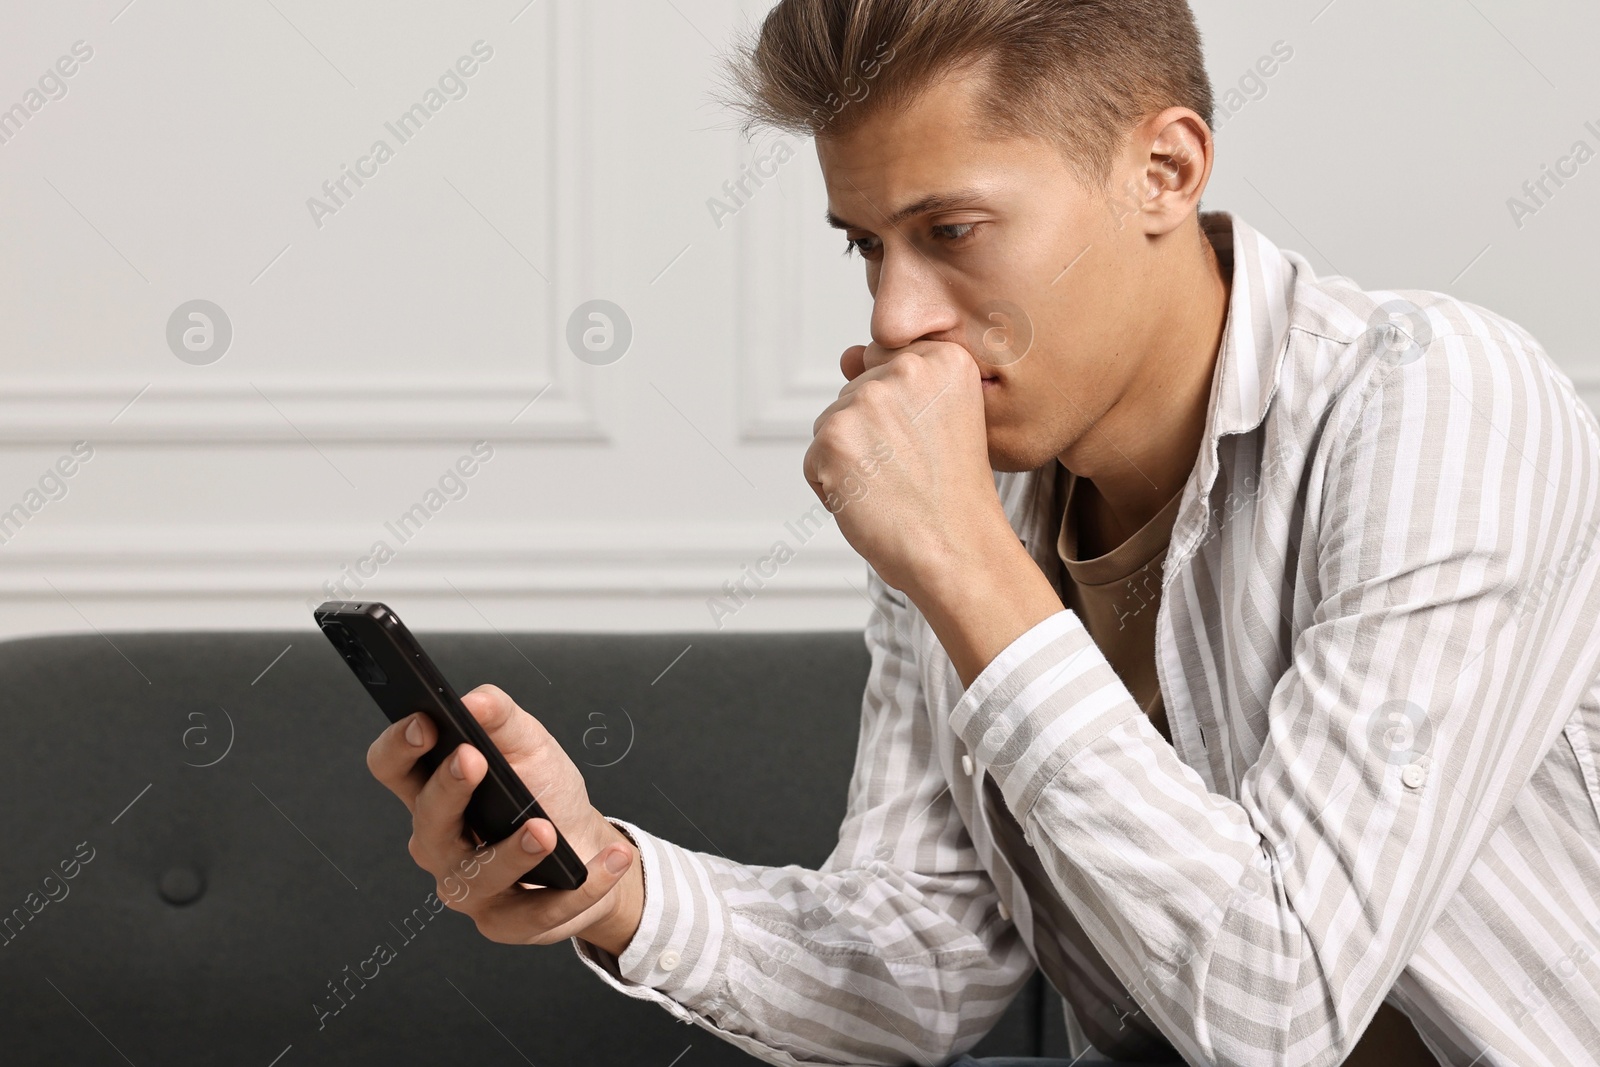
pixel 1254 342
pixel 1255 338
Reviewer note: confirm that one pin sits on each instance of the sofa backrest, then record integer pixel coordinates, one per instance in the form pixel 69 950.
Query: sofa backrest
pixel 196 853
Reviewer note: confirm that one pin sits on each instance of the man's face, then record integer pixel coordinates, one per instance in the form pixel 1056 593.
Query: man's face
pixel 1040 277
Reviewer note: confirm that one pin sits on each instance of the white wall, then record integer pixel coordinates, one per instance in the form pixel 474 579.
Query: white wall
pixel 372 346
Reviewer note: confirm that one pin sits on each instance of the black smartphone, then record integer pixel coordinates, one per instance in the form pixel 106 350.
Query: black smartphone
pixel 403 680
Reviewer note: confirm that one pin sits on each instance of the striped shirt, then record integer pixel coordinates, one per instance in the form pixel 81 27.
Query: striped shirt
pixel 1378 643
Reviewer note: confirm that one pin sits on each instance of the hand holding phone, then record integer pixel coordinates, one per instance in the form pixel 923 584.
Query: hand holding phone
pixel 605 910
pixel 496 745
pixel 402 680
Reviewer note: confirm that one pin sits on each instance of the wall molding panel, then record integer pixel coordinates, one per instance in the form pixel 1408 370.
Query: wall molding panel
pixel 293 412
pixel 548 577
pixel 371 410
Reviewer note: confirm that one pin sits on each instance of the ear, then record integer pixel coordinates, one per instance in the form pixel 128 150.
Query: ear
pixel 1174 153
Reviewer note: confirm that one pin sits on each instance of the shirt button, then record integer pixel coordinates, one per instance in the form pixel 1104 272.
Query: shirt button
pixel 1005 912
pixel 966 764
pixel 668 960
pixel 1414 775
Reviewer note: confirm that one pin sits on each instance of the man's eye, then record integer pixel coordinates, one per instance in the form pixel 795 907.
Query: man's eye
pixel 954 232
pixel 949 233
pixel 862 245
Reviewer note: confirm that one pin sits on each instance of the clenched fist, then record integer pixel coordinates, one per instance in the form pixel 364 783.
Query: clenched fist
pixel 903 452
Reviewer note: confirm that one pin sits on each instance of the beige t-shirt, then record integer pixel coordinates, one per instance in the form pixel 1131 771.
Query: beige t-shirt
pixel 1116 595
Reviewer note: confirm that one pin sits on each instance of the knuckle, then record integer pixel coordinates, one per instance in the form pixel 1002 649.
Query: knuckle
pixel 493 692
pixel 847 423
pixel 825 453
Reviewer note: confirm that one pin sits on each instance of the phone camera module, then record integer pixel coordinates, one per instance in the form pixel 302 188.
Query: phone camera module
pixel 355 653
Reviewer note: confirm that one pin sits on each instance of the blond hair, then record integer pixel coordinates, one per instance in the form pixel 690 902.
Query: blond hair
pixel 1080 73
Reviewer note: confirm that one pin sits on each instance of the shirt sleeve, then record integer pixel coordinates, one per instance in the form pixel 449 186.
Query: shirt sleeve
pixel 1451 635
pixel 892 952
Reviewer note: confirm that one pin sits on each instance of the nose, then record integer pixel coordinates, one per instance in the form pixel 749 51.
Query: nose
pixel 910 302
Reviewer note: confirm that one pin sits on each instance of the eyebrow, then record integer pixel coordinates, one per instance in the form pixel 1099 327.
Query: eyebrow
pixel 926 206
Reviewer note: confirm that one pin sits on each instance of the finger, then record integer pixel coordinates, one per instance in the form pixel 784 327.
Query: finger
pixel 439 839
pixel 494 868
pixel 491 706
pixel 514 732
pixel 957 357
pixel 392 757
pixel 876 355
pixel 846 392
pixel 537 916
pixel 852 362
pixel 467 877
pixel 808 468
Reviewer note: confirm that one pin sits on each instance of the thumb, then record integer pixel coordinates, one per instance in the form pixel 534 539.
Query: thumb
pixel 853 362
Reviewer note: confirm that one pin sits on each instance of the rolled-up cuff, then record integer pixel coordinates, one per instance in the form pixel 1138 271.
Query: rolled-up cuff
pixel 675 956
pixel 1041 700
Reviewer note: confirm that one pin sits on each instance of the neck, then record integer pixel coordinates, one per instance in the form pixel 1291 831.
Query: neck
pixel 1141 452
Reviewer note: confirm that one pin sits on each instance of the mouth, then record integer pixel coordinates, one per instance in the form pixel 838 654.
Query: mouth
pixel 991 381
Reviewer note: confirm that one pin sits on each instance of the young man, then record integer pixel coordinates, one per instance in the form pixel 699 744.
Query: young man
pixel 1234 657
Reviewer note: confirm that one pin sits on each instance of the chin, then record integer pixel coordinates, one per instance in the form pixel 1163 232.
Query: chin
pixel 1006 454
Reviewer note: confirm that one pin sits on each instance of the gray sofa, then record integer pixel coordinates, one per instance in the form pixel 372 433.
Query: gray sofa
pixel 195 854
